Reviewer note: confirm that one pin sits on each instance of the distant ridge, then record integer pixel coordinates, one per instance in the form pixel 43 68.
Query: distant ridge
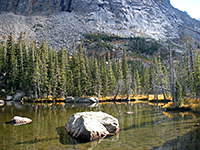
pixel 59 21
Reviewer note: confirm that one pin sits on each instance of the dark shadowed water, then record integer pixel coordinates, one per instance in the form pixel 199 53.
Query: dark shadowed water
pixel 147 128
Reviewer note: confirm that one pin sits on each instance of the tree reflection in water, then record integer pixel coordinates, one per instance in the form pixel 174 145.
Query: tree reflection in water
pixel 147 128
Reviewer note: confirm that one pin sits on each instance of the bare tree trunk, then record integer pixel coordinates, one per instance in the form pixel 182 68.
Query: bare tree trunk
pixel 174 90
pixel 154 88
pixel 129 83
pixel 181 82
pixel 99 87
pixel 191 67
pixel 172 76
pixel 161 79
pixel 164 95
pixel 128 90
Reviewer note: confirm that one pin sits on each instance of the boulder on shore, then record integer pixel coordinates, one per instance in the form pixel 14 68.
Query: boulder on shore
pixel 81 100
pixel 17 120
pixel 9 98
pixel 18 96
pixel 89 126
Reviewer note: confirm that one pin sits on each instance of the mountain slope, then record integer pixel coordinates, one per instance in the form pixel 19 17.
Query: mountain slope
pixel 58 21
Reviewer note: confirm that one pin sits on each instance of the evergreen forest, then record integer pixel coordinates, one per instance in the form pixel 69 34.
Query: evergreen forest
pixel 41 71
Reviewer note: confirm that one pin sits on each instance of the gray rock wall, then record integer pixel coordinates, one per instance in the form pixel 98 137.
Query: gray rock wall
pixel 64 20
pixel 27 7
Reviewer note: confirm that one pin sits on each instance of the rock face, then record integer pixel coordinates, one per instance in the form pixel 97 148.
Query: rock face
pixel 57 21
pixel 17 120
pixel 81 100
pixel 88 126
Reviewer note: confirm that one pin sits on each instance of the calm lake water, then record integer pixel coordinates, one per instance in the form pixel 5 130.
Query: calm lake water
pixel 148 128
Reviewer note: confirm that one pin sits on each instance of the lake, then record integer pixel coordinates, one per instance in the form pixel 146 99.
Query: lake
pixel 147 128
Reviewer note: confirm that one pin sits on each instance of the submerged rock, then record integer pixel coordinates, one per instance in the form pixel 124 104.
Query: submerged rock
pixel 129 112
pixel 81 100
pixel 89 126
pixel 17 120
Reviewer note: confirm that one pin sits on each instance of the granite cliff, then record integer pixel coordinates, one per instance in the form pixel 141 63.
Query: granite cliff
pixel 58 21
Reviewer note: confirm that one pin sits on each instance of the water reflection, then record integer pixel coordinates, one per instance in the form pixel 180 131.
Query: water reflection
pixel 36 141
pixel 79 105
pixel 147 128
pixel 66 139
pixel 184 142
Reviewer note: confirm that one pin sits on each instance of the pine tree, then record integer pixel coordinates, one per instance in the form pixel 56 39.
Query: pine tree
pixel 104 77
pixel 178 92
pixel 119 78
pixel 26 68
pixel 70 81
pixel 3 57
pixel 51 71
pixel 69 76
pixel 11 65
pixel 187 67
pixel 155 78
pixel 44 68
pixel 125 69
pixel 147 80
pixel 36 76
pixel 138 82
pixel 76 75
pixel 114 68
pixel 83 73
pixel 56 79
pixel 89 64
pixel 119 71
pixel 96 76
pixel 20 61
pixel 196 74
pixel 182 77
pixel 111 77
pixel 62 75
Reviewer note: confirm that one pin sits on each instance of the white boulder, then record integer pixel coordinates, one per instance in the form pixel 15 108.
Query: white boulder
pixel 89 126
pixel 1 102
pixel 20 120
pixel 81 100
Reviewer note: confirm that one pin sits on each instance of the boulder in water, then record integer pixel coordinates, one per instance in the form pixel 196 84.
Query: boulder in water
pixel 17 120
pixel 1 102
pixel 89 126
